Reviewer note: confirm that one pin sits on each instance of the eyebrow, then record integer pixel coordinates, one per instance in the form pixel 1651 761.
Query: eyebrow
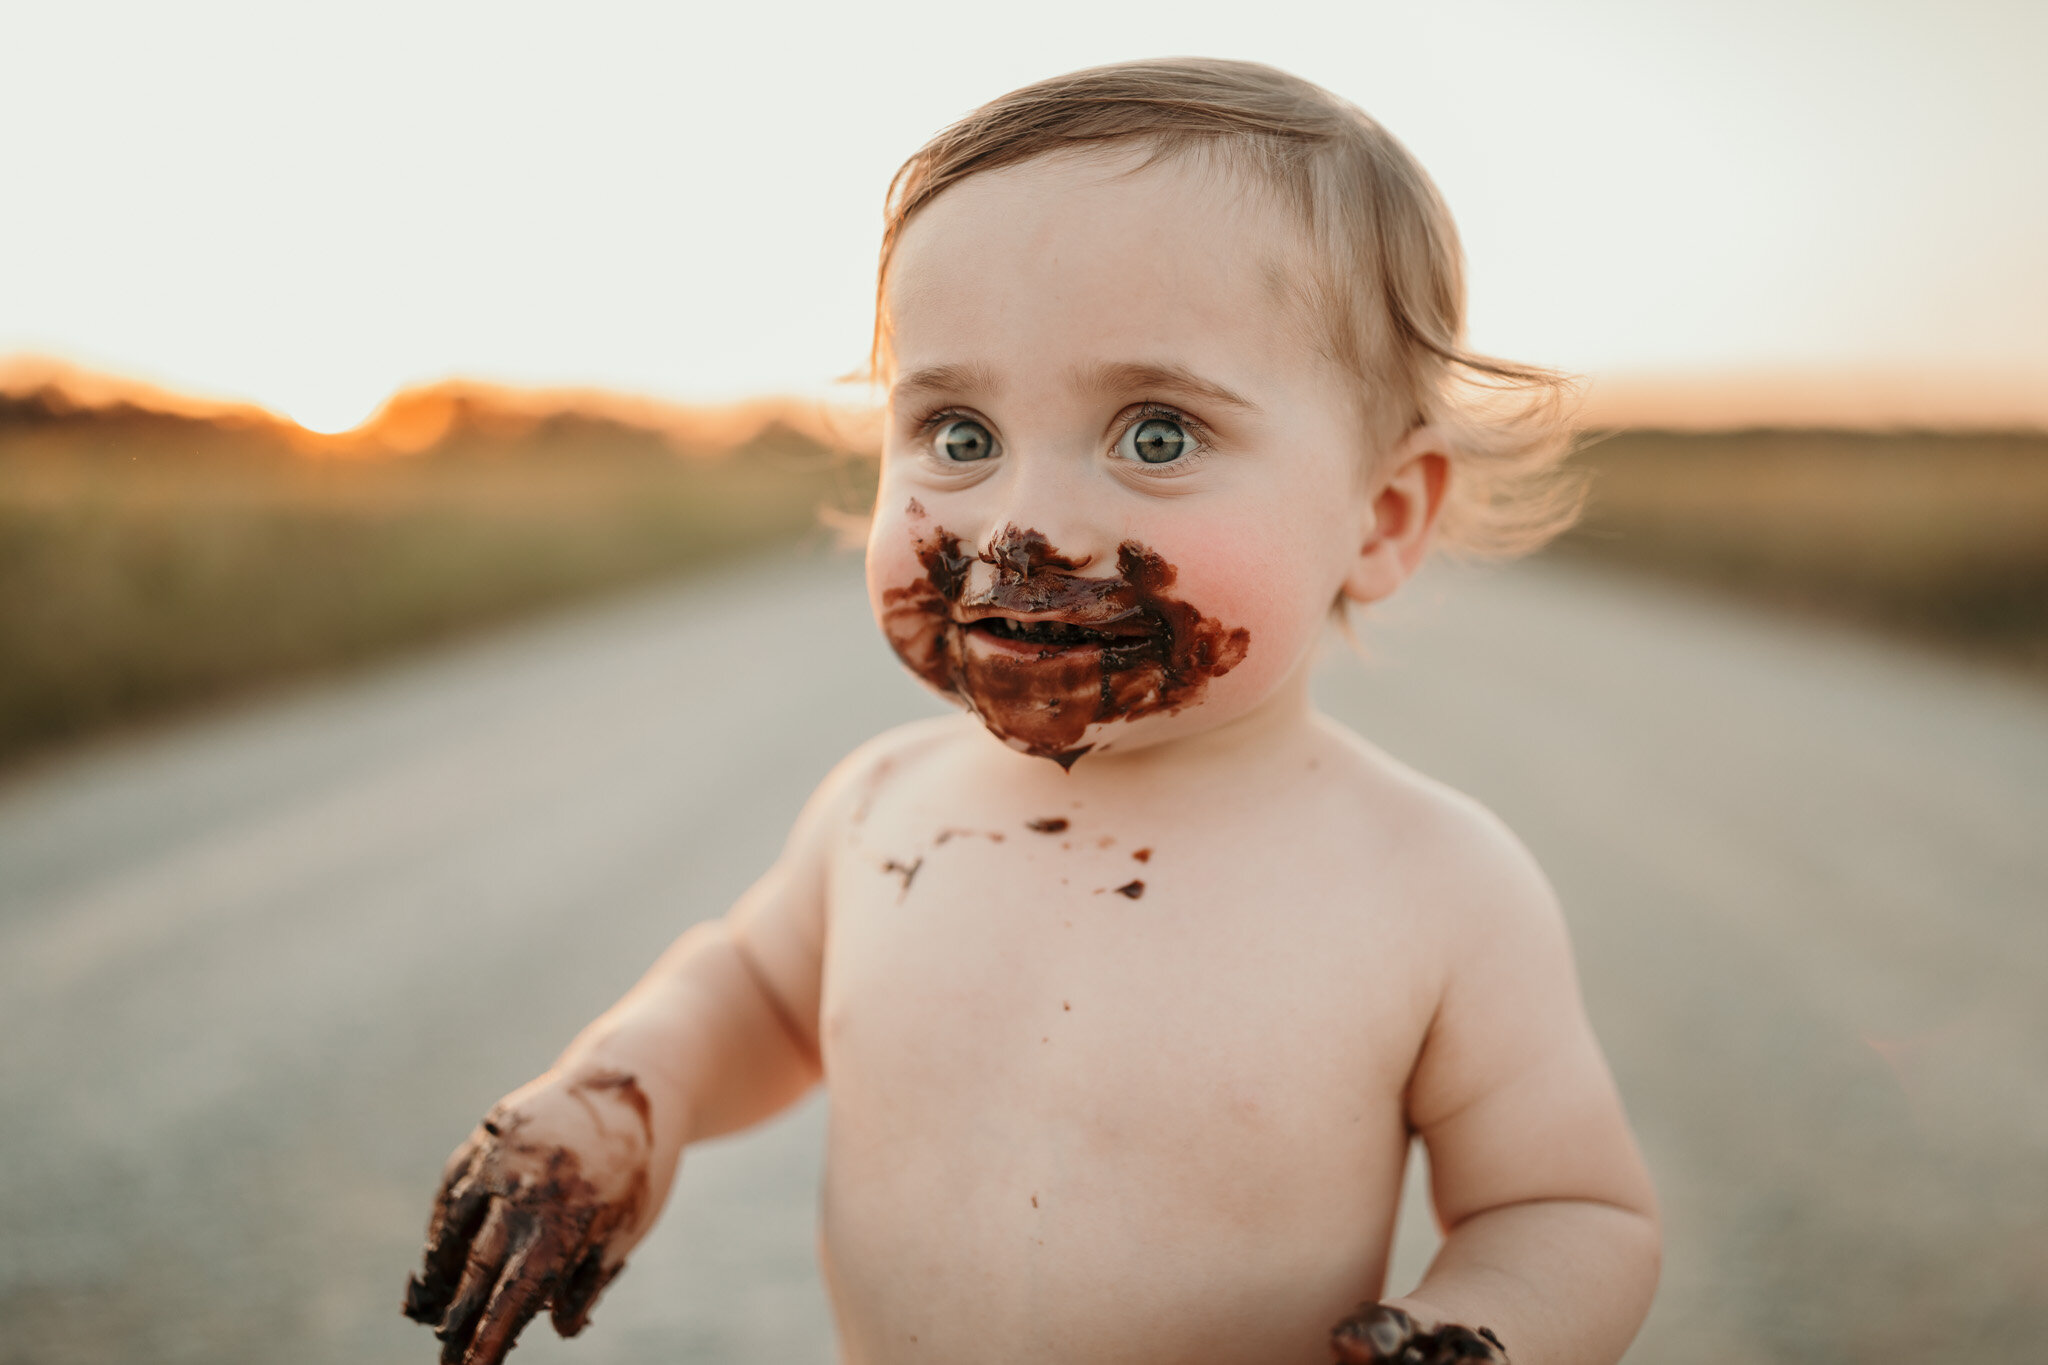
pixel 1128 375
pixel 938 379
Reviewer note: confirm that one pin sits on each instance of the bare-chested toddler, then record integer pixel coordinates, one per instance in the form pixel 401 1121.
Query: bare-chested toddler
pixel 1131 983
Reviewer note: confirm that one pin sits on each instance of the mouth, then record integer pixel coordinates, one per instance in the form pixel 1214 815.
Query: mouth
pixel 1044 635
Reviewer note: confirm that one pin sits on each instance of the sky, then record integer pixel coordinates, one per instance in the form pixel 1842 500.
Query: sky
pixel 310 206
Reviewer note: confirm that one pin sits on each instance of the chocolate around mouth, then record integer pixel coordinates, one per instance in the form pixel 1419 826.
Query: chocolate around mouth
pixel 1152 653
pixel 1053 634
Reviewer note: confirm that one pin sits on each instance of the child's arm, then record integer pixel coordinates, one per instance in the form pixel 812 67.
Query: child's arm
pixel 540 1205
pixel 1551 1237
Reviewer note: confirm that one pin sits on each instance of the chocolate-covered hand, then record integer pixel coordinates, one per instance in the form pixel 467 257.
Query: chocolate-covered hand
pixel 1379 1335
pixel 537 1209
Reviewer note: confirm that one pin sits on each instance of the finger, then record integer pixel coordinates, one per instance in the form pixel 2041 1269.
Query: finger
pixel 458 1214
pixel 462 1158
pixel 480 1273
pixel 1347 1348
pixel 589 1276
pixel 457 1175
pixel 1373 1333
pixel 1455 1343
pixel 531 1274
pixel 574 1300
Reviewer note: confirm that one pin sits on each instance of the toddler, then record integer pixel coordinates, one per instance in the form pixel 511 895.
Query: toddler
pixel 1132 982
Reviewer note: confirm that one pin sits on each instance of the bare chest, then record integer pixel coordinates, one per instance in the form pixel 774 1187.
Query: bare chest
pixel 1103 974
pixel 1054 1052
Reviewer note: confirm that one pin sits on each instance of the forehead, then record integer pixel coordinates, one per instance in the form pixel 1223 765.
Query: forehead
pixel 1075 259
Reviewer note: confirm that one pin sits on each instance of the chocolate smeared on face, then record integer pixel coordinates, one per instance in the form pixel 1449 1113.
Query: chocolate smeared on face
pixel 1019 554
pixel 1076 650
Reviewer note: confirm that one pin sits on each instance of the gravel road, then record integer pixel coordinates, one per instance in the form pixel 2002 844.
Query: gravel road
pixel 260 971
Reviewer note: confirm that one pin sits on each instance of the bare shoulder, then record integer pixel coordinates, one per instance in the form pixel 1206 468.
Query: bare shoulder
pixel 1459 862
pixel 858 779
pixel 780 924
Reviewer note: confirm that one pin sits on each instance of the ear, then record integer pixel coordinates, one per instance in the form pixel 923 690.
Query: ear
pixel 1400 513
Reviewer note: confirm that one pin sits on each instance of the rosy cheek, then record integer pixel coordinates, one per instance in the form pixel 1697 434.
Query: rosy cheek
pixel 891 556
pixel 1265 594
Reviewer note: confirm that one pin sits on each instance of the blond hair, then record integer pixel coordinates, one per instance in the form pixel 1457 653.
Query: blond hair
pixel 1386 280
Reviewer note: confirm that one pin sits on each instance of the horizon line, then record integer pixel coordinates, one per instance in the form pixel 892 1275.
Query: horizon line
pixel 1785 397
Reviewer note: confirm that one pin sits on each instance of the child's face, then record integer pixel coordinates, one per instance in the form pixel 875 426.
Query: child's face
pixel 1121 488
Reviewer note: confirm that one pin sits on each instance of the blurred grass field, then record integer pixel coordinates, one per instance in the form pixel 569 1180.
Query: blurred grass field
pixel 151 562
pixel 1942 536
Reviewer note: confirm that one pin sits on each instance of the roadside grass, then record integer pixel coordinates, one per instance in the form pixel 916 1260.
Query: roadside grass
pixel 150 563
pixel 1943 536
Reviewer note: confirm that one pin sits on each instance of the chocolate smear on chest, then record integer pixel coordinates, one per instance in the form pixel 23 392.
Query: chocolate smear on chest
pixel 1128 647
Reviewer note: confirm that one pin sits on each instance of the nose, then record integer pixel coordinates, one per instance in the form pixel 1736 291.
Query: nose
pixel 1044 516
pixel 1019 552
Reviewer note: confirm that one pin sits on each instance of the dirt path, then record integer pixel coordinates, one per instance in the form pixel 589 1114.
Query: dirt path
pixel 245 965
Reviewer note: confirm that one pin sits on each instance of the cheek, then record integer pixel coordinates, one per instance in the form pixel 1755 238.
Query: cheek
pixel 891 555
pixel 1274 583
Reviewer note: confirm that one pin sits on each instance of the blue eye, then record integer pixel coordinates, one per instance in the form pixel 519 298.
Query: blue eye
pixel 963 440
pixel 1156 440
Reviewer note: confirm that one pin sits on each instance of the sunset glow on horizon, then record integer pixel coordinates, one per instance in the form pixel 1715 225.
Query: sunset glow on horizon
pixel 331 415
pixel 311 211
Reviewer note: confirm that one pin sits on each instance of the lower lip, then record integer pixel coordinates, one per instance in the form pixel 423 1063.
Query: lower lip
pixel 985 642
